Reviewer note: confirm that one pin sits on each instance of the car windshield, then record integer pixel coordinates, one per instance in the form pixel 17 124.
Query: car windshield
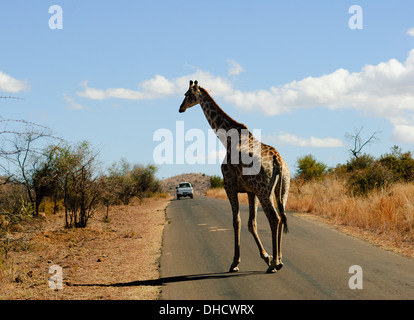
pixel 184 185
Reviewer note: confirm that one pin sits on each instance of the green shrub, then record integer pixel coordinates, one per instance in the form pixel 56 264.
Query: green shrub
pixel 376 176
pixel 309 168
pixel 402 164
pixel 361 163
pixel 216 182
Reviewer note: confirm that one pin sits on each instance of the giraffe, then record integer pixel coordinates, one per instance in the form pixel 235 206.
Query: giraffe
pixel 268 184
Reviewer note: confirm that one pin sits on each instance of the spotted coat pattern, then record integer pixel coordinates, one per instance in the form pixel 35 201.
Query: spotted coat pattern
pixel 269 184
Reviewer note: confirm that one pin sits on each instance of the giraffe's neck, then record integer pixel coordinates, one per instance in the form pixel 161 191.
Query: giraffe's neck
pixel 224 126
pixel 216 117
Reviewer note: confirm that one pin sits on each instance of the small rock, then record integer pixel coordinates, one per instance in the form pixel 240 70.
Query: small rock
pixel 101 259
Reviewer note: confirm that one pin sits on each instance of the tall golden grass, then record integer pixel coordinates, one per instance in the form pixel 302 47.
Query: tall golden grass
pixel 387 213
pixel 220 193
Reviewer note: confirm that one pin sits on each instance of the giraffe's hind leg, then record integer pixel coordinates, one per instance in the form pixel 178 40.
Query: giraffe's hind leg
pixel 252 225
pixel 275 222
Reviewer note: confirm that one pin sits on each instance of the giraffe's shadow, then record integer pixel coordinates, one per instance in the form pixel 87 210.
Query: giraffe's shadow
pixel 166 280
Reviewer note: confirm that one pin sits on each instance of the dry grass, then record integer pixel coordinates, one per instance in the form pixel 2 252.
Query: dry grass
pixel 220 193
pixel 385 218
pixel 94 259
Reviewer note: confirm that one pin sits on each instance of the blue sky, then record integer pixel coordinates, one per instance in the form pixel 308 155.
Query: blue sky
pixel 117 71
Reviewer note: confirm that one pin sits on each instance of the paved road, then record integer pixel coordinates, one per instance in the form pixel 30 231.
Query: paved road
pixel 198 250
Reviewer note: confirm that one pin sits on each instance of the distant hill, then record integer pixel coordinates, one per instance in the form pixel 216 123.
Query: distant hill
pixel 200 182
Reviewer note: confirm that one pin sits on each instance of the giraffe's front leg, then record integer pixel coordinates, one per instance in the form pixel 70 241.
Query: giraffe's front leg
pixel 236 226
pixel 234 202
pixel 230 185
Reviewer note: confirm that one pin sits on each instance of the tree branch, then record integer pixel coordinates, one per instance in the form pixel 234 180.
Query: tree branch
pixel 357 142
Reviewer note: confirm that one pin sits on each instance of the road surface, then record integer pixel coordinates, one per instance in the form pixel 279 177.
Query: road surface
pixel 198 250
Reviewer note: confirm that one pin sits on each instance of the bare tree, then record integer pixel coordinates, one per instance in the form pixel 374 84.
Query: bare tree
pixel 24 160
pixel 10 97
pixel 10 132
pixel 22 155
pixel 108 195
pixel 358 143
pixel 15 140
pixel 122 180
pixel 80 183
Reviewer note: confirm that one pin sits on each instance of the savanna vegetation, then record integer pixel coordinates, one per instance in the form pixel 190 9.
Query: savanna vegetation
pixel 41 174
pixel 50 190
pixel 216 182
pixel 368 196
pixel 374 195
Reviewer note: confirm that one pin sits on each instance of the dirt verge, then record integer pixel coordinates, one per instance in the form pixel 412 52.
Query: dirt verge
pixel 106 260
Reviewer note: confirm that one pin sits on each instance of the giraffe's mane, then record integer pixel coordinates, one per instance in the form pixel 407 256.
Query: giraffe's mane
pixel 243 126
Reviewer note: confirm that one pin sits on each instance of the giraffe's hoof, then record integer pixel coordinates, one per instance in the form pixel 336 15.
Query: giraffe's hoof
pixel 274 269
pixel 269 260
pixel 234 269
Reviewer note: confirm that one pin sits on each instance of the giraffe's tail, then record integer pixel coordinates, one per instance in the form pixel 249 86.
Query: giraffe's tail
pixel 278 193
pixel 285 225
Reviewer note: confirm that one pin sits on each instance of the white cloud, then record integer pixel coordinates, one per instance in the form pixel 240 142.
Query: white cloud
pixel 234 68
pixel 411 32
pixel 293 140
pixel 385 90
pixel 155 88
pixel 72 104
pixel 381 90
pixel 160 87
pixel 404 133
pixel 9 84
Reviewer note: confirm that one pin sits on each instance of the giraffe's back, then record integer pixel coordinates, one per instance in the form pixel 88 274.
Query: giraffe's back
pixel 255 174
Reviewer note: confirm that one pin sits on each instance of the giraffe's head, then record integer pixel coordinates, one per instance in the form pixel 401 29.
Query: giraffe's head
pixel 192 96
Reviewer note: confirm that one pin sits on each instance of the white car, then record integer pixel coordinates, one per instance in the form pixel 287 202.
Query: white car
pixel 184 189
